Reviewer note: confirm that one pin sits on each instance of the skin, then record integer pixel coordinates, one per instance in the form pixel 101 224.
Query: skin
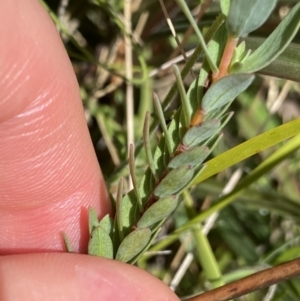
pixel 50 175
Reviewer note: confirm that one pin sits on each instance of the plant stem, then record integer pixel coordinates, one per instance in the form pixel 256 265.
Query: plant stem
pixel 204 252
pixel 252 283
pixel 226 58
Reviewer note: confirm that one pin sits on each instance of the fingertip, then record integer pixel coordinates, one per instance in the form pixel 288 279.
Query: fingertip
pixel 77 277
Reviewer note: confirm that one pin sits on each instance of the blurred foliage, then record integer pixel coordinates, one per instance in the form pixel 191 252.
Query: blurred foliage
pixel 261 227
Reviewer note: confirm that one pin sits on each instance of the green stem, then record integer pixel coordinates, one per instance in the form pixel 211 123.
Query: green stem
pixel 182 4
pixel 204 252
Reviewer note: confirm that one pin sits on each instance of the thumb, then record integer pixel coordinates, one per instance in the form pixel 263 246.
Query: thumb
pixel 50 174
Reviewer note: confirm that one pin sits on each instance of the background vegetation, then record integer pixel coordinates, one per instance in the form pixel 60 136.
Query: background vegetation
pixel 261 227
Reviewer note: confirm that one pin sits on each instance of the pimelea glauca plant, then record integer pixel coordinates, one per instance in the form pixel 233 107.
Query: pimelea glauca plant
pixel 180 159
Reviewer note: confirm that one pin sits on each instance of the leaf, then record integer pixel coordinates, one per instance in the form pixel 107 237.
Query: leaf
pixel 174 181
pixel 119 209
pixel 100 243
pixel 273 46
pixel 129 212
pixel 225 5
pixel 67 243
pixel 266 166
pixel 249 148
pixel 183 6
pixel 286 131
pixel 93 219
pixel 107 224
pixel 246 16
pixel 225 90
pixel 192 60
pixel 133 243
pixel 186 106
pixel 158 211
pixel 146 184
pixel 216 48
pixel 193 157
pixel 161 117
pixel 197 134
pixel 154 234
pixel 287 64
pixel 133 174
pixel 239 52
pixel 147 146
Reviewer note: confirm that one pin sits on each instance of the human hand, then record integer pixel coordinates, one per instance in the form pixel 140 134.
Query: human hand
pixel 50 175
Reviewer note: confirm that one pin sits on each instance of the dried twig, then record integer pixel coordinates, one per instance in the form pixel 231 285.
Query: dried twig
pixel 252 283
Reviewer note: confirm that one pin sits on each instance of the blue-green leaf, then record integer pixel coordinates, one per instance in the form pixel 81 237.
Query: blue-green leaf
pixel 133 243
pixel 225 90
pixel 174 181
pixel 107 224
pixel 193 157
pixel 128 212
pixel 100 243
pixel 273 46
pixel 93 219
pixel 239 53
pixel 286 66
pixel 158 211
pixel 246 16
pixel 197 134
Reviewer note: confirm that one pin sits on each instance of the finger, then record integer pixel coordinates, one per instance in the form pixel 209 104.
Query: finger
pixel 76 277
pixel 49 172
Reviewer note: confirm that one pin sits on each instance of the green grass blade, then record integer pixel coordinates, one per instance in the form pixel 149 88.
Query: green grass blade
pixel 249 148
pixel 287 149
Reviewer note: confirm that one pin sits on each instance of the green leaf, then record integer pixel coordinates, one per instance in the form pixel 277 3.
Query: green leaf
pixel 182 4
pixel 100 243
pixel 197 134
pixel 107 224
pixel 128 212
pixel 239 53
pixel 93 219
pixel 147 146
pixel 286 66
pixel 154 234
pixel 246 16
pixel 225 5
pixel 265 167
pixel 160 115
pixel 216 48
pixel 192 60
pixel 186 106
pixel 249 148
pixel 225 90
pixel 119 209
pixel 133 243
pixel 193 157
pixel 276 135
pixel 273 46
pixel 174 181
pixel 158 211
pixel 67 243
pixel 134 177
